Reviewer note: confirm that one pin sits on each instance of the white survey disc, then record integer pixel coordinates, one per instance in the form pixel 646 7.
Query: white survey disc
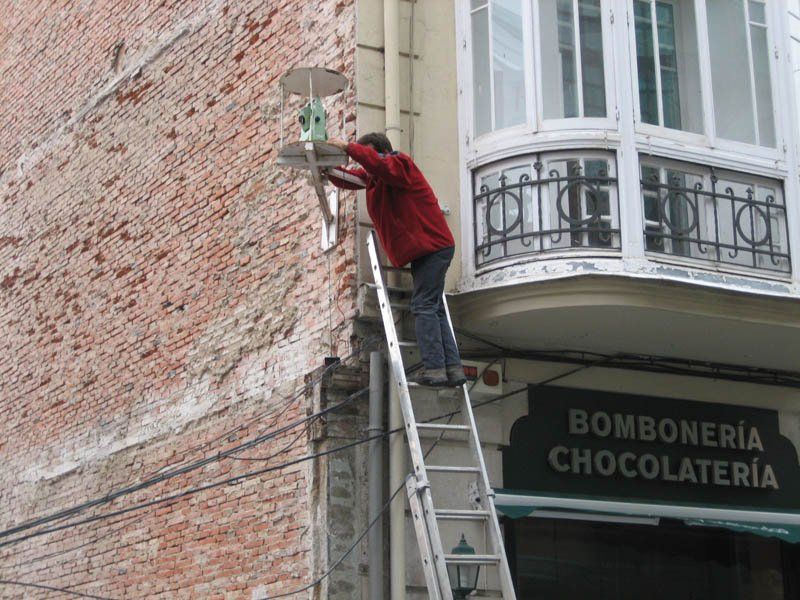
pixel 322 82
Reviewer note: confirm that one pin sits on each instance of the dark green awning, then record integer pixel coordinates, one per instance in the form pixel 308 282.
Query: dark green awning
pixel 782 525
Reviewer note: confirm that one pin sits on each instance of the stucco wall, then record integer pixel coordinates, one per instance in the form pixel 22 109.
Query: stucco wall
pixel 431 134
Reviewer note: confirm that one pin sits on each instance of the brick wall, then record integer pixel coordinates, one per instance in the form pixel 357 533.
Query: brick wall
pixel 161 284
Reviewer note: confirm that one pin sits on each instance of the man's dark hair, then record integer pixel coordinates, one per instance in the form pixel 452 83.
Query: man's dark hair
pixel 378 141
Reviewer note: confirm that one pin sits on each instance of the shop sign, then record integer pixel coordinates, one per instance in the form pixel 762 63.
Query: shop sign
pixel 650 448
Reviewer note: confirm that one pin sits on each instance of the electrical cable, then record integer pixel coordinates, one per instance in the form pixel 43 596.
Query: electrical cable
pixel 290 400
pixel 248 475
pixel 52 589
pixel 111 534
pixel 190 491
pixel 383 509
pixel 283 450
pixel 180 471
pixel 346 553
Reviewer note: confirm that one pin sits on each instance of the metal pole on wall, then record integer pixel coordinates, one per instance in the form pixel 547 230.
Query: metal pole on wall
pixel 391 65
pixel 397 510
pixel 375 475
pixel 397 451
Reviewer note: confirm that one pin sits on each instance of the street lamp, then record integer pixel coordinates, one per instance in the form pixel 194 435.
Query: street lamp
pixel 463 576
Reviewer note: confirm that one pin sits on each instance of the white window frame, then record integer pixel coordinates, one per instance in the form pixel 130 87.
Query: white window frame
pixel 650 137
pixel 687 137
pixel 528 125
pixel 576 123
pixel 535 128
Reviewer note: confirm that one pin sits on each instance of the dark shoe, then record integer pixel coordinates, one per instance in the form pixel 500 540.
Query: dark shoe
pixel 455 375
pixel 430 377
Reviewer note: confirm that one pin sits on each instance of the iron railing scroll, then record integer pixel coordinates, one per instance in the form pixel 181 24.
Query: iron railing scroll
pixel 546 203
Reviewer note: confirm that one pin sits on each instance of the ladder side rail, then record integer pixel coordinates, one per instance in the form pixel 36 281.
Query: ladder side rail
pixel 423 538
pixel 415 447
pixel 396 362
pixel 484 487
pixel 474 440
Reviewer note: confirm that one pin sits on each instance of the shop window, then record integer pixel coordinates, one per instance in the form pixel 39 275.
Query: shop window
pixel 552 559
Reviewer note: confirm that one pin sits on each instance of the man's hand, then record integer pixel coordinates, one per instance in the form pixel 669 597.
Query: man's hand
pixel 341 144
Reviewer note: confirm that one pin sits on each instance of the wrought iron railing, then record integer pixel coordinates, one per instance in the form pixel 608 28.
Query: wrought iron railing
pixel 545 203
pixel 695 212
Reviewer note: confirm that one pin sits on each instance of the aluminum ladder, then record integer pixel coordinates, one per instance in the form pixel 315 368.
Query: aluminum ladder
pixel 418 488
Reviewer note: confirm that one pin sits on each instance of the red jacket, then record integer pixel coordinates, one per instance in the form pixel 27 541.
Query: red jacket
pixel 400 203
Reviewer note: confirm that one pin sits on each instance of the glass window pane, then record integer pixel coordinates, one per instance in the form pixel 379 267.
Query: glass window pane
pixel 766 119
pixel 733 104
pixel 565 46
pixel 683 107
pixel 678 72
pixel 559 71
pixel 757 12
pixel 481 89
pixel 593 77
pixel 668 58
pixel 646 62
pixel 508 63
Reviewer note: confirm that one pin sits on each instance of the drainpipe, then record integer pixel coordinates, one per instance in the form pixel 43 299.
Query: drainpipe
pixel 375 476
pixel 397 511
pixel 391 66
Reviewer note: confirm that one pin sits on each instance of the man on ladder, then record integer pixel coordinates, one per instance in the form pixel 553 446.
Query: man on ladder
pixel 411 228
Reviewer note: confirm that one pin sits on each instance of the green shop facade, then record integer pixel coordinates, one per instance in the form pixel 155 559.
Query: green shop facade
pixel 613 496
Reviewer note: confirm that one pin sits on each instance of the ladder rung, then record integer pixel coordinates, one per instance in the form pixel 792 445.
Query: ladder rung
pixel 441 388
pixel 388 288
pixel 406 344
pixel 449 469
pixel 472 559
pixel 443 391
pixel 461 515
pixel 396 269
pixel 442 427
pixel 403 305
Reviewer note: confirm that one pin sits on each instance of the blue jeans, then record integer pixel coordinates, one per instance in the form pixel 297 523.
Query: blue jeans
pixel 436 343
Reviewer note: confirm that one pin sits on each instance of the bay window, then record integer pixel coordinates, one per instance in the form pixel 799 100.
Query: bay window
pixel 704 79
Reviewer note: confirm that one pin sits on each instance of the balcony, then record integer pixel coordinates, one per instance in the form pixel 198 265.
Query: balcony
pixel 717 217
pixel 545 204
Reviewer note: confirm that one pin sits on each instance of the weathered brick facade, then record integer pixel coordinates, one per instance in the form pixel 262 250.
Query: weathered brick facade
pixel 162 284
